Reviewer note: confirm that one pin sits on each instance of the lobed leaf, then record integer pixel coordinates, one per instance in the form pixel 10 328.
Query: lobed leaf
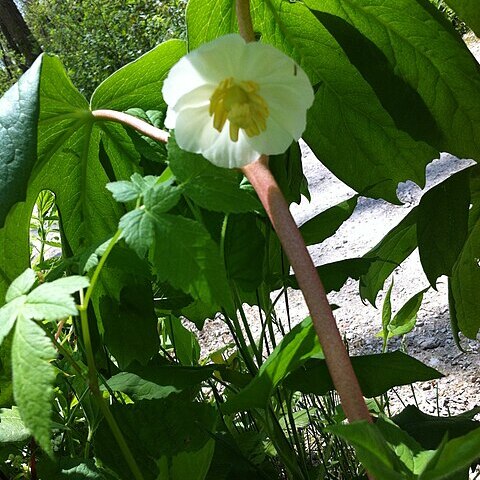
pixel 139 83
pixel 19 109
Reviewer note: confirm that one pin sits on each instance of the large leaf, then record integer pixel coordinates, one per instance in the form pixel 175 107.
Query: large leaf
pixel 465 285
pixel 348 128
pixel 186 257
pixel 209 19
pixel 123 304
pixel 69 166
pixel 469 12
pixel 422 72
pixel 209 186
pixel 376 374
pixel 139 84
pixel 33 377
pixel 392 250
pixel 295 348
pixel 442 225
pixel 18 137
pixel 244 260
pixel 430 430
pixel 168 439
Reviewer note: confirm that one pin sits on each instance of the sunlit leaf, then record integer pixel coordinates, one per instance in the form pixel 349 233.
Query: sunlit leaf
pixel 33 377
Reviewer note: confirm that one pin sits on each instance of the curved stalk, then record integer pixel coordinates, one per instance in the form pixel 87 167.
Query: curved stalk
pixel 139 125
pixel 336 355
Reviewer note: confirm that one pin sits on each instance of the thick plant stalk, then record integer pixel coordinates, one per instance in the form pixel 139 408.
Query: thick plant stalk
pixel 244 19
pixel 336 355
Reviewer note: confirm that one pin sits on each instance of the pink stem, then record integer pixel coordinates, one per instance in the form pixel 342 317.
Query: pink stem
pixel 244 20
pixel 134 122
pixel 336 355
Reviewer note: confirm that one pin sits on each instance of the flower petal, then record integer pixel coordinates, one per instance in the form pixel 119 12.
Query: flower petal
pixel 194 130
pixel 227 154
pixel 273 141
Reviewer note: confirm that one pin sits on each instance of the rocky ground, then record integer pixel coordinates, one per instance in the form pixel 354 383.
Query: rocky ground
pixel 431 341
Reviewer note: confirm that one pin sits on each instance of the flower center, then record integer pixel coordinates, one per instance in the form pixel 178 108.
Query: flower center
pixel 241 105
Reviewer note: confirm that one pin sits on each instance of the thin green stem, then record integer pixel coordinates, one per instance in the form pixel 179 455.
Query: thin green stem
pixel 100 265
pixel 92 370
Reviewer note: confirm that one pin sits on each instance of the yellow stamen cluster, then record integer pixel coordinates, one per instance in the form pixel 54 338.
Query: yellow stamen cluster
pixel 241 105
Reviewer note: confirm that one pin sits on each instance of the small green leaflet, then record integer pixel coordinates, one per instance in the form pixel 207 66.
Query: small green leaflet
pixel 21 285
pixel 138 226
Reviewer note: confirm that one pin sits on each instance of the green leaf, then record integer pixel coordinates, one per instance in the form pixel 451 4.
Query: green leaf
pixel 453 457
pixel 18 137
pixel 138 230
pixel 288 172
pixel 442 225
pixel 373 450
pixel 326 223
pixel 406 448
pixel 184 342
pixel 335 274
pixel 123 301
pixel 139 84
pixel 423 73
pixel 429 430
pixel 209 19
pixel 53 300
pixel 392 250
pixel 376 374
pixel 71 469
pixel 296 347
pixel 185 256
pixel 163 449
pixel 33 378
pixel 9 314
pixel 12 428
pixel 21 285
pixel 156 382
pixel 348 127
pixel 404 320
pixel 209 186
pixel 465 285
pixel 387 313
pixel 468 11
pixel 244 260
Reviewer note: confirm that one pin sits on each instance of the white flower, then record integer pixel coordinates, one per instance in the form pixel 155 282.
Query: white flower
pixel 232 101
